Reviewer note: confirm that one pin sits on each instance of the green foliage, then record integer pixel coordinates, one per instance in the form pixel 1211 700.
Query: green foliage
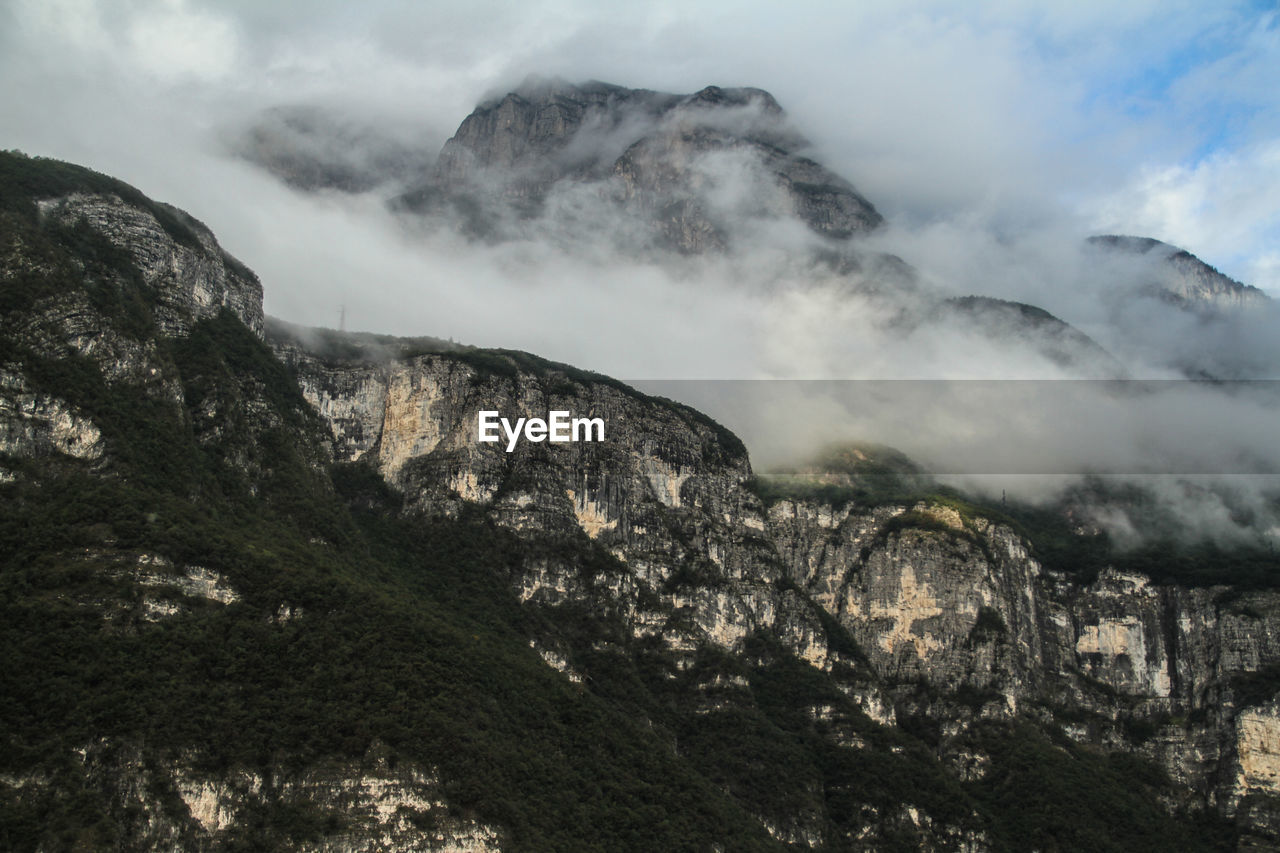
pixel 1054 795
pixel 1203 564
pixel 1250 689
pixel 988 626
pixel 353 347
pixel 23 180
pixel 923 521
pixel 409 635
pixel 853 472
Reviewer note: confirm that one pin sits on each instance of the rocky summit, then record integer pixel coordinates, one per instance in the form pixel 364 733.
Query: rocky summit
pixel 691 166
pixel 264 589
pixel 1177 276
pixel 610 174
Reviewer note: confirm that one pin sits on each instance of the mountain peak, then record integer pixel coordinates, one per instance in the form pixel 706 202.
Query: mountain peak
pixel 736 97
pixel 1179 276
pixel 670 161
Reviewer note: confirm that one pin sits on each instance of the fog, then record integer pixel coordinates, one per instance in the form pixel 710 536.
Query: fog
pixel 993 140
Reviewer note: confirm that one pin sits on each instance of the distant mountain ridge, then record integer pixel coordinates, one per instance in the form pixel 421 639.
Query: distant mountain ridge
pixel 1179 276
pixel 1059 341
pixel 313 148
pixel 655 177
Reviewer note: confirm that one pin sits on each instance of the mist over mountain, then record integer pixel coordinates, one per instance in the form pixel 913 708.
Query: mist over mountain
pixel 1180 276
pixel 574 200
pixel 689 171
pixel 318 148
pixel 705 185
pixel 1173 310
pixel 719 190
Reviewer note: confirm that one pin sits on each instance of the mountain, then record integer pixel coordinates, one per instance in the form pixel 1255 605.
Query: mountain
pixel 1179 277
pixel 654 176
pixel 1017 324
pixel 215 636
pixel 689 166
pixel 681 170
pixel 1167 308
pixel 264 589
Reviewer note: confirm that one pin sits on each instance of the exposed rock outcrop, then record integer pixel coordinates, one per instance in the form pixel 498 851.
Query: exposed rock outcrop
pixel 693 167
pixel 931 596
pixel 192 278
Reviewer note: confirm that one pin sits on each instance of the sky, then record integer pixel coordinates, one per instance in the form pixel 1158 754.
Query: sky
pixel 993 136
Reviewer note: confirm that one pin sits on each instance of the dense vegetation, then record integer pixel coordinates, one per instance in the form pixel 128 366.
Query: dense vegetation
pixel 24 179
pixel 409 638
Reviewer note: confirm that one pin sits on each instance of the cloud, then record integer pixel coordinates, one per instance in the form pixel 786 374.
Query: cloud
pixel 1224 206
pixel 174 40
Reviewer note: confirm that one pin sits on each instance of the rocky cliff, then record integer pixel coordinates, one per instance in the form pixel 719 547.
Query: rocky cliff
pixel 92 270
pixel 690 169
pixel 284 598
pixel 922 611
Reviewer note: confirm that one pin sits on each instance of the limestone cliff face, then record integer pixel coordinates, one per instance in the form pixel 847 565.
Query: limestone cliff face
pixel 964 606
pixel 192 279
pixel 41 424
pixel 931 597
pixel 663 493
pixel 178 262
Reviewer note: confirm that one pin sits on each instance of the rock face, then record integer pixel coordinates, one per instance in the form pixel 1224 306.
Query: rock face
pixel 181 807
pixel 931 596
pixel 126 241
pixel 40 424
pixel 193 278
pixel 662 493
pixel 689 168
